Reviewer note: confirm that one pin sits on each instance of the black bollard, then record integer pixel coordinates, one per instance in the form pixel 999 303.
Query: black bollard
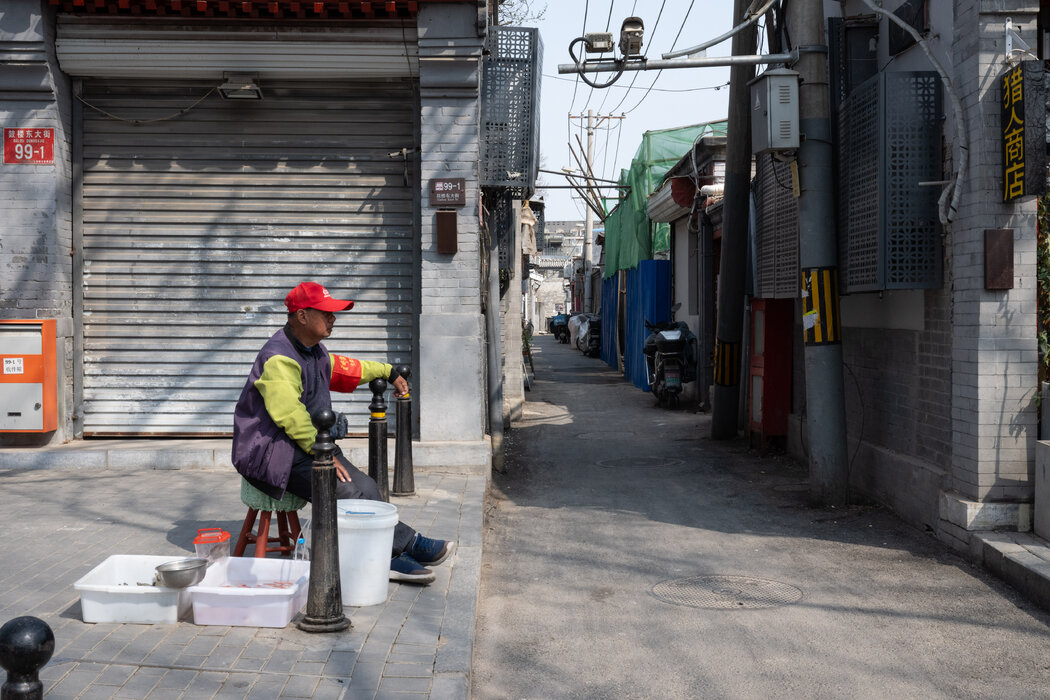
pixel 377 467
pixel 26 644
pixel 404 480
pixel 324 602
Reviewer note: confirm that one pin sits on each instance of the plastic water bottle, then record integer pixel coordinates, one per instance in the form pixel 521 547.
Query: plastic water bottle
pixel 301 553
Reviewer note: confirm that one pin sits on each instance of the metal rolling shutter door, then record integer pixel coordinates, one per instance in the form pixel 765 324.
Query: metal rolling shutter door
pixel 195 227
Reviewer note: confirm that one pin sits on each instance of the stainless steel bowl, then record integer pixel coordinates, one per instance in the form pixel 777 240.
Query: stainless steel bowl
pixel 182 572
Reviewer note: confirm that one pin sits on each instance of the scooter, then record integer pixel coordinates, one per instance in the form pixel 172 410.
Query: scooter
pixel 590 341
pixel 668 350
pixel 594 337
pixel 560 328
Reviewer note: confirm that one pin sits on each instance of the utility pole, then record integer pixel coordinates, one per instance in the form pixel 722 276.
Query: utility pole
pixel 730 333
pixel 588 235
pixel 588 231
pixel 818 260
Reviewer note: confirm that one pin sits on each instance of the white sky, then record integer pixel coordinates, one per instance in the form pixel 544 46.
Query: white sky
pixel 674 100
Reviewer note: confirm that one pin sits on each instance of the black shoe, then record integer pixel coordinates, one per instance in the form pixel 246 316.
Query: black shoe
pixel 428 552
pixel 405 568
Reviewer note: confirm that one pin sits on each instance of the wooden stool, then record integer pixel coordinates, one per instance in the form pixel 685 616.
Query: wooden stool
pixel 263 507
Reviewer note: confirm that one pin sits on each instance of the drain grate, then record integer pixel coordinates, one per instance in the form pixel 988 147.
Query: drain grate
pixel 726 592
pixel 639 462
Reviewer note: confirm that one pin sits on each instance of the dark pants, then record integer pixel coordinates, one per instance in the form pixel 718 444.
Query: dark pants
pixel 361 485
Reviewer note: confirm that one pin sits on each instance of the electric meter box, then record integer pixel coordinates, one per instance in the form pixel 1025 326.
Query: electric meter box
pixel 774 111
pixel 28 385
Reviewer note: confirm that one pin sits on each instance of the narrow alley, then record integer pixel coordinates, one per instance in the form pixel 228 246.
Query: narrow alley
pixel 626 555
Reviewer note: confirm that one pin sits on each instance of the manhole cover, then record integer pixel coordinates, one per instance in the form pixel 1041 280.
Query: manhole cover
pixel 726 592
pixel 639 462
pixel 605 435
pixel 792 488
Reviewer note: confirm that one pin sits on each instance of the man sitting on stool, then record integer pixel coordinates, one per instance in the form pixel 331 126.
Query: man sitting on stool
pixel 273 434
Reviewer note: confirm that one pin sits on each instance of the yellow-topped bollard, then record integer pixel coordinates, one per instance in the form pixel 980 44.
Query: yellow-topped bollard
pixel 377 467
pixel 404 480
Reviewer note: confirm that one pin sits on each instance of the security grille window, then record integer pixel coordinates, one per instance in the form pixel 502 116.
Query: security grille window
pixel 776 231
pixel 889 142
pixel 510 110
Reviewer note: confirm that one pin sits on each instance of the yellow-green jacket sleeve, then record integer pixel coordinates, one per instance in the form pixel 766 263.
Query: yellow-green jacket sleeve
pixel 374 370
pixel 281 386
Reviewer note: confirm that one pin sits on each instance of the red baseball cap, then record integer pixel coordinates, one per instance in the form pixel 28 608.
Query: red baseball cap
pixel 310 295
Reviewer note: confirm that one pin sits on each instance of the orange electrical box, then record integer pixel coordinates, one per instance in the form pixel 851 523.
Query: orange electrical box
pixel 28 386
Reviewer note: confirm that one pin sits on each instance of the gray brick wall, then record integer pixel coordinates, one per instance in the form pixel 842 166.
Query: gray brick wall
pixel 994 353
pixel 950 407
pixel 36 270
pixel 452 330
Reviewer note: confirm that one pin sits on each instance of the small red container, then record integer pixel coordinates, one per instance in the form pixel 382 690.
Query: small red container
pixel 212 543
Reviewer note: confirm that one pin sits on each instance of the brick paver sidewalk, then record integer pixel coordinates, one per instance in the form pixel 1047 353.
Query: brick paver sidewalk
pixel 61 523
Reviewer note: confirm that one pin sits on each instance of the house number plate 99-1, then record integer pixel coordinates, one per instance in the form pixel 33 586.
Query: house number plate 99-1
pixel 448 192
pixel 29 146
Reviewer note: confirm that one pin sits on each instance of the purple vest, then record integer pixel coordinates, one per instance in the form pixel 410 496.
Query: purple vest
pixel 261 449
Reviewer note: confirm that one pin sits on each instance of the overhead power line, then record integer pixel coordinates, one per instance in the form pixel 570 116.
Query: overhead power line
pixel 576 87
pixel 655 26
pixel 659 73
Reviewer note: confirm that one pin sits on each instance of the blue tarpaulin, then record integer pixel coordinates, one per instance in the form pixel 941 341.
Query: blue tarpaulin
pixel 648 299
pixel 610 317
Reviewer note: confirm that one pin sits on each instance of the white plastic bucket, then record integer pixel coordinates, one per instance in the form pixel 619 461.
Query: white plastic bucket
pixel 366 536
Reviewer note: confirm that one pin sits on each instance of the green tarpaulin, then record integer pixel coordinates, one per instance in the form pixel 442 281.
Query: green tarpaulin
pixel 629 235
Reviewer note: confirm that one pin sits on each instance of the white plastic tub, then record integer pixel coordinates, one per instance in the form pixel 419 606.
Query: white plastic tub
pixel 366 536
pixel 251 592
pixel 111 592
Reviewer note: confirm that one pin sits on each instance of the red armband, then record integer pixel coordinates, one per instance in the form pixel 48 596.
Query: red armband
pixel 346 374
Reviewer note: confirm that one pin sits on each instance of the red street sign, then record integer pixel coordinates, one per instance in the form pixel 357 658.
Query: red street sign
pixel 29 146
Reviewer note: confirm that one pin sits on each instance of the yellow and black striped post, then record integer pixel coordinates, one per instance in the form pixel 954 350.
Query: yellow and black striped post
pixel 820 306
pixel 727 363
pixel 377 466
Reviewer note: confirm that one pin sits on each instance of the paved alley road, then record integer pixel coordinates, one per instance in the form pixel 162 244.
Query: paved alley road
pixel 628 556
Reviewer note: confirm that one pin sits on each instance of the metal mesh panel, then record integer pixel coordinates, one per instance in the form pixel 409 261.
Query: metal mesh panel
pixel 541 224
pixel 500 206
pixel 912 155
pixel 765 229
pixel 889 141
pixel 859 268
pixel 510 110
pixel 776 236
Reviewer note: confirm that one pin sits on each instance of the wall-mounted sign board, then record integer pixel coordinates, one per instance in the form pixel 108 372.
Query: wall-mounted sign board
pixel 448 192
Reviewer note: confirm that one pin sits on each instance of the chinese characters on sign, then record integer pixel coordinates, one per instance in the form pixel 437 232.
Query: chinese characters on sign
pixel 451 192
pixel 29 146
pixel 1012 123
pixel 1022 121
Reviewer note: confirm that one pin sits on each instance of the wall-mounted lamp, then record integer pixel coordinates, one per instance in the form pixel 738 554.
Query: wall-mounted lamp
pixel 240 87
pixel 598 42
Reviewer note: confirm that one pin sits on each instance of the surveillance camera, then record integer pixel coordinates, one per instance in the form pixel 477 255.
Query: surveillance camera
pixel 631 36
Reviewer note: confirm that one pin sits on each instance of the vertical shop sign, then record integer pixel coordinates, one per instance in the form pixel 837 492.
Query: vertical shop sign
pixel 29 146
pixel 1022 121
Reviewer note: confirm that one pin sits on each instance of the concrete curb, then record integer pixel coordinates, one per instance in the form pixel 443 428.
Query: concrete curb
pixel 469 458
pixel 1020 559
